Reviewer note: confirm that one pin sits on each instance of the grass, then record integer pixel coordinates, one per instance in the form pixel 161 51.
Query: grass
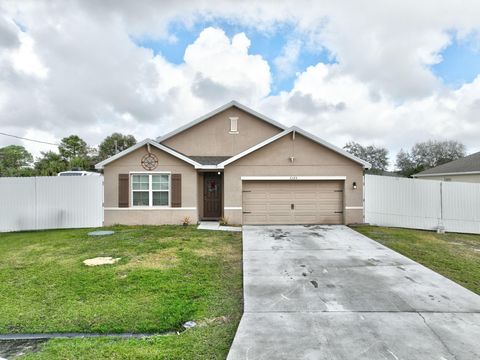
pixel 456 256
pixel 167 275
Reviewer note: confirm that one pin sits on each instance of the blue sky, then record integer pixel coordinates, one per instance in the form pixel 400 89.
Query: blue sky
pixel 268 44
pixel 460 61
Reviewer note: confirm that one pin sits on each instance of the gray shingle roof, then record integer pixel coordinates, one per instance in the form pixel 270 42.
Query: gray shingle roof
pixel 469 163
pixel 209 160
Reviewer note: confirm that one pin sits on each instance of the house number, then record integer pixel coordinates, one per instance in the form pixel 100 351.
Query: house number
pixel 293 178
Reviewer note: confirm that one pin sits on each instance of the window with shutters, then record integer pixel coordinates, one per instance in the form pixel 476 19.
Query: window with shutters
pixel 151 189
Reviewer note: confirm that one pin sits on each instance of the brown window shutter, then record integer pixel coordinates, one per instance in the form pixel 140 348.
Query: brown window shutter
pixel 123 190
pixel 176 190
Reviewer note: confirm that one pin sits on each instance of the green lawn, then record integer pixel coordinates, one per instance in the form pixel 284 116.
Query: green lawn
pixel 456 256
pixel 166 276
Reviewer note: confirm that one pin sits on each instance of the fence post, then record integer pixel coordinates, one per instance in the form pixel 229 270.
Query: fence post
pixel 441 227
pixel 36 202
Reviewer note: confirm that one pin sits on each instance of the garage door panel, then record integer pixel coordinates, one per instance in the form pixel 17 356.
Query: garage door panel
pixel 260 208
pixel 305 219
pixel 315 202
pixel 252 196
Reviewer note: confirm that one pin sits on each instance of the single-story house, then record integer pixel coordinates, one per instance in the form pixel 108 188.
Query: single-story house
pixel 237 164
pixel 466 169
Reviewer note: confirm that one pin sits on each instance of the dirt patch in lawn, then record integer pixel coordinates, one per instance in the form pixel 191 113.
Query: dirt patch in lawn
pixel 102 260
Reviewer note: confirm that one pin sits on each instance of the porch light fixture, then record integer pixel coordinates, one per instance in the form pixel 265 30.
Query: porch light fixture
pixel 219 173
pixel 354 185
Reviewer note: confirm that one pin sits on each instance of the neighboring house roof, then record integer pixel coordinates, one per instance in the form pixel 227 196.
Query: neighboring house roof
pixel 168 150
pixel 304 133
pixel 467 165
pixel 217 111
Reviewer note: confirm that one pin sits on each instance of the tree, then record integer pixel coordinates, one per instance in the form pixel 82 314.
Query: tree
pixel 72 147
pixel 428 154
pixel 113 144
pixel 74 150
pixel 15 160
pixel 50 164
pixel 376 156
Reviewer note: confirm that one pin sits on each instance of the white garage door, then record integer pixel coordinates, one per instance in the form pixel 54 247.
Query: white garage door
pixel 292 202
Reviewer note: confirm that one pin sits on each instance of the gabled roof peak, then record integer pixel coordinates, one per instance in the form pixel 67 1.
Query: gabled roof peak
pixel 217 111
pixel 304 133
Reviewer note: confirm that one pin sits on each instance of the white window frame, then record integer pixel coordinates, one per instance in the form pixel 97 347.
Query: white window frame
pixel 150 190
pixel 233 125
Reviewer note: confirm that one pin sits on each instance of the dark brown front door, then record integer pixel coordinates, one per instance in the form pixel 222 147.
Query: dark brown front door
pixel 212 196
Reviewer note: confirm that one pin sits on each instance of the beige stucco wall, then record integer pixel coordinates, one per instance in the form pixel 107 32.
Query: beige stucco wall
pixel 473 178
pixel 311 159
pixel 131 216
pixel 166 162
pixel 212 137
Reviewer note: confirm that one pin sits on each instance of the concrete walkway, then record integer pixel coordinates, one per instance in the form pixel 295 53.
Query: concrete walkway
pixel 215 225
pixel 328 292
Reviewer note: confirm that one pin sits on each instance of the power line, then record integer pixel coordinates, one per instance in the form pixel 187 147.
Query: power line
pixel 22 138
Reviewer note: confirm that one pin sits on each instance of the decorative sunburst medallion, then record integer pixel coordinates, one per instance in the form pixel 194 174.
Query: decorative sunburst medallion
pixel 149 162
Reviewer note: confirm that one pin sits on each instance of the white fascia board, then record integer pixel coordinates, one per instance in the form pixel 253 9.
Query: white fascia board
pixel 448 174
pixel 207 167
pixel 312 137
pixel 215 112
pixel 294 178
pixel 172 152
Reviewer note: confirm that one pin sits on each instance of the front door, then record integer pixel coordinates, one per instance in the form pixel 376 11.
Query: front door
pixel 212 196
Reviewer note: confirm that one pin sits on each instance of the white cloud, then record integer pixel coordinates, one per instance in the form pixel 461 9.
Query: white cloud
pixel 224 68
pixel 340 108
pixel 286 62
pixel 76 70
pixel 26 60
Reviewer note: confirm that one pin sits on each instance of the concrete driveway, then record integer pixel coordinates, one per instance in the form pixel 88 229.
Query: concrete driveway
pixel 328 292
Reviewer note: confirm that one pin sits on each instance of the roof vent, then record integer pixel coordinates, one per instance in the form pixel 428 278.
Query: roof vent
pixel 233 124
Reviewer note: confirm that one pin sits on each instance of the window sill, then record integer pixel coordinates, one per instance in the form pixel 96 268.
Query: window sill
pixel 233 132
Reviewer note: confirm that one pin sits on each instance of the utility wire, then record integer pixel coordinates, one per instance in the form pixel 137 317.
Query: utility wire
pixel 22 138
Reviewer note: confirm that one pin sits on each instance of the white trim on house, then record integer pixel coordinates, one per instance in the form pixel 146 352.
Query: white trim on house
pixel 353 207
pixel 149 208
pixel 215 112
pixel 207 167
pixel 101 164
pixel 295 129
pixel 448 174
pixel 232 208
pixel 294 178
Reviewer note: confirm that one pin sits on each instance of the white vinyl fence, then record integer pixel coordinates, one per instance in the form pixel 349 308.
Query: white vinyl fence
pixel 51 202
pixel 422 204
